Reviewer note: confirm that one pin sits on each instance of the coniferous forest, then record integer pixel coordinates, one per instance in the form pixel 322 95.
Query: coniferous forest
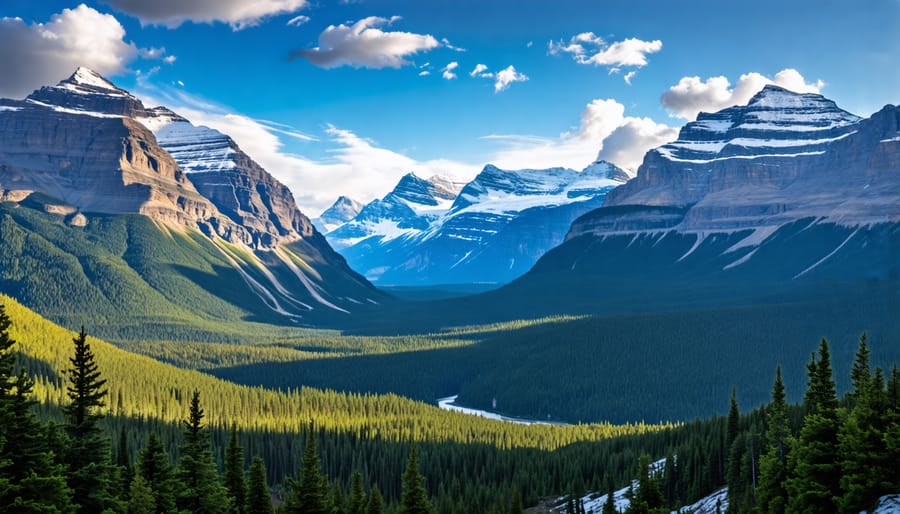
pixel 94 451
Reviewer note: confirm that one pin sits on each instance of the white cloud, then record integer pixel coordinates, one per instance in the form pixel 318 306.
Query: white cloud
pixel 44 53
pixel 447 72
pixel 692 95
pixel 628 76
pixel 589 48
pixel 298 20
pixel 237 13
pixel 446 43
pixel 354 166
pixel 424 73
pixel 604 127
pixel 628 143
pixel 363 44
pixel 154 53
pixel 480 70
pixel 507 76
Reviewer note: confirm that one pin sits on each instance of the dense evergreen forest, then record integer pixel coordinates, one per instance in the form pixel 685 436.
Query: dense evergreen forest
pixel 57 453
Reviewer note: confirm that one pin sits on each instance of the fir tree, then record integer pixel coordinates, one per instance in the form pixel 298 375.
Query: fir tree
pixel 814 473
pixel 864 455
pixel 773 465
pixel 357 504
pixel 259 501
pixel 609 506
pixel 201 491
pixel 414 497
pixel 140 498
pixel 307 495
pixel 647 497
pixel 375 505
pixel 234 473
pixel 733 419
pixel 155 469
pixel 31 480
pixel 90 471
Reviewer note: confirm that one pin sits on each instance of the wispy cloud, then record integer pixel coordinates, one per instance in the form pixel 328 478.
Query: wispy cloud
pixel 239 14
pixel 364 45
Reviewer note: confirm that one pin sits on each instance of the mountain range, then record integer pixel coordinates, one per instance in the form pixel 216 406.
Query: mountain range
pixel 490 230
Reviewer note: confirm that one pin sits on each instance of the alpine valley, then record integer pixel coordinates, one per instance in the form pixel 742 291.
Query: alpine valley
pixel 531 338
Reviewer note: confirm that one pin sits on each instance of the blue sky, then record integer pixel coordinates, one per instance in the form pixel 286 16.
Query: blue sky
pixel 338 101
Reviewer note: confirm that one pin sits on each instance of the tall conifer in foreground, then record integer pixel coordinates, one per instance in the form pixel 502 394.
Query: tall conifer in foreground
pixel 259 501
pixel 414 497
pixel 156 471
pixel 234 473
pixel 30 478
pixel 90 470
pixel 814 472
pixel 200 489
pixel 773 465
pixel 308 494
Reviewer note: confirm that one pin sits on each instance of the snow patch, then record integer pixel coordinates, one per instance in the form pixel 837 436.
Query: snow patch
pixel 823 259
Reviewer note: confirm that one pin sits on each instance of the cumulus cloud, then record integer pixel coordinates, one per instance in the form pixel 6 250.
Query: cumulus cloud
pixel 44 53
pixel 507 76
pixel 604 127
pixel 364 44
pixel 237 13
pixel 480 70
pixel 447 72
pixel 628 143
pixel 589 48
pixel 692 95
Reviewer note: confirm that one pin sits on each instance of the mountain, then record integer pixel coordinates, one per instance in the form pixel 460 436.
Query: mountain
pixel 786 191
pixel 492 231
pixel 341 211
pixel 220 236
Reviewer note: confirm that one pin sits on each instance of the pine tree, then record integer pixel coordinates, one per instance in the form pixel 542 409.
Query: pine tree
pixel 201 491
pixel 814 473
pixel 259 501
pixel 31 480
pixel 357 503
pixel 307 495
pixel 515 504
pixel 414 497
pixel 234 473
pixel 140 498
pixel 609 506
pixel 773 465
pixel 864 455
pixel 156 471
pixel 123 461
pixel 90 470
pixel 375 505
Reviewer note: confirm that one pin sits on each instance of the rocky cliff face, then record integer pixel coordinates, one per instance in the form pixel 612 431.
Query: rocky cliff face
pixel 239 187
pixel 781 158
pixel 85 146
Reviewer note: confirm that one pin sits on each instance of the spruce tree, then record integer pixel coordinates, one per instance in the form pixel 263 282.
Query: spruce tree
pixel 235 482
pixel 357 504
pixel 609 506
pixel 140 497
pixel 200 490
pixel 338 501
pixel 156 471
pixel 734 416
pixel 307 495
pixel 31 479
pixel 864 455
pixel 647 497
pixel 259 501
pixel 123 461
pixel 375 505
pixel 515 504
pixel 772 495
pixel 90 470
pixel 414 497
pixel 814 472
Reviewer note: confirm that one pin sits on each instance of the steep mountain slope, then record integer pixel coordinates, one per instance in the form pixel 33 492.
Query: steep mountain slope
pixel 493 231
pixel 786 190
pixel 341 211
pixel 83 152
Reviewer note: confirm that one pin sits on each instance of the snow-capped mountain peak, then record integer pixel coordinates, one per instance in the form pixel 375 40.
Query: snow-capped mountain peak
pixel 341 211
